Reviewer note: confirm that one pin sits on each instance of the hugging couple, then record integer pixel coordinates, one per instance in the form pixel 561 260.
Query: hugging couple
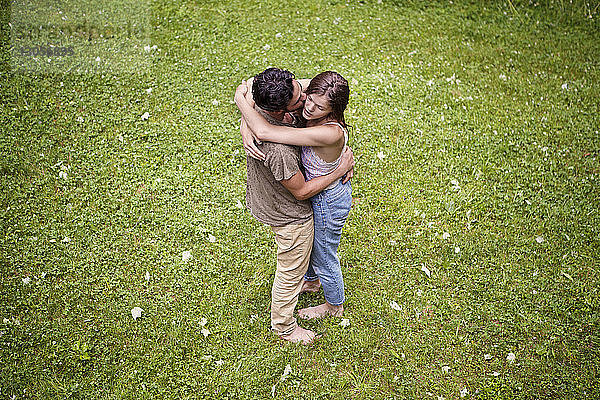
pixel 299 168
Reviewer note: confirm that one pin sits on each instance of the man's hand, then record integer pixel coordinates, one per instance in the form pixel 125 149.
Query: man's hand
pixel 248 139
pixel 347 163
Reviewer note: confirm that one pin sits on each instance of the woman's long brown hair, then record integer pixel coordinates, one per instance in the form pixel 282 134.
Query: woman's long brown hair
pixel 335 88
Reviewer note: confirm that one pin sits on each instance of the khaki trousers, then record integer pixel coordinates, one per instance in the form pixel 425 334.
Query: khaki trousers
pixel 294 245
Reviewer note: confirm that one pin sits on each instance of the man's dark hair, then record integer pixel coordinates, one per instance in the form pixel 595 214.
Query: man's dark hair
pixel 273 89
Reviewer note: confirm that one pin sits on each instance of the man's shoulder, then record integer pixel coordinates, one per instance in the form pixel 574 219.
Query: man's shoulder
pixel 280 148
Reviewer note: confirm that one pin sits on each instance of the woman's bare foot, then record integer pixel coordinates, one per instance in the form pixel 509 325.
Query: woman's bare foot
pixel 300 335
pixel 310 286
pixel 324 310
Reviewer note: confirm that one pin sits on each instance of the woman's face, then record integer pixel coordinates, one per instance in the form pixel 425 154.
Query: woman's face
pixel 316 107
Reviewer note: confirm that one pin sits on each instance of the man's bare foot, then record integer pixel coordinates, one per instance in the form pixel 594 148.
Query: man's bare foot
pixel 324 310
pixel 310 286
pixel 300 335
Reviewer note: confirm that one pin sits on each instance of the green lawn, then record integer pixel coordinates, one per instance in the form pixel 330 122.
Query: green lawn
pixel 477 131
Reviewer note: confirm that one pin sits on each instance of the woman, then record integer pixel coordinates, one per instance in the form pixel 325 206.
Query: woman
pixel 322 141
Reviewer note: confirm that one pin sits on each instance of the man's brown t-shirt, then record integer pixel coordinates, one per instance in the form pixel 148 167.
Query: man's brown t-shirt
pixel 266 198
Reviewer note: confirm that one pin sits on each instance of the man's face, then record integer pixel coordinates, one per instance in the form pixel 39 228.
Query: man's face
pixel 298 97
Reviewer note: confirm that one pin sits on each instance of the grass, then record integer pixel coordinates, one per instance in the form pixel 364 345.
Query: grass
pixel 475 119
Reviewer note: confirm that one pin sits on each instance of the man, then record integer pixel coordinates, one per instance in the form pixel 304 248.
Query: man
pixel 276 194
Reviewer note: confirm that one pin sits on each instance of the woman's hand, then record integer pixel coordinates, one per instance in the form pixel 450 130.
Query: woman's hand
pixel 240 92
pixel 249 141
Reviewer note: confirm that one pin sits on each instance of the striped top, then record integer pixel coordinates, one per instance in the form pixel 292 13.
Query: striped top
pixel 313 164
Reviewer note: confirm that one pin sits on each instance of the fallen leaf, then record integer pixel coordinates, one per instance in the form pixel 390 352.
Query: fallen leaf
pixel 136 312
pixel 286 371
pixel 539 239
pixel 186 256
pixel 569 277
pixel 426 270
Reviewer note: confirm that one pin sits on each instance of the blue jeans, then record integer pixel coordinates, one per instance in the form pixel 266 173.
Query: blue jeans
pixel 330 210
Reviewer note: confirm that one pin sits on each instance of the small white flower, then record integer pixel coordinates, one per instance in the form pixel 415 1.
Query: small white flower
pixel 457 249
pixel 565 86
pixel 145 116
pixel 445 369
pixel 205 332
pixel 510 357
pixel 147 276
pixel 426 270
pixel 80 119
pixel 26 280
pixel 253 317
pixel 266 47
pixel 136 312
pixel 394 306
pixel 98 59
pixel 186 256
pixel 381 155
pixel 393 242
pixel 215 102
pixel 318 19
pixel 62 175
pixel 147 48
pixel 278 35
pixel 539 239
pixel 66 240
pixel 239 204
pixel 219 362
pixel 203 321
pixel 502 76
pixel 445 235
pixel 430 82
pixel 354 82
pixel 487 356
pixel 419 293
pixel 211 238
pixel 149 90
pixel 286 372
pixel 496 374
pixel 528 202
pixel 43 275
pixel 345 323
pixel 463 392
pixel 454 182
